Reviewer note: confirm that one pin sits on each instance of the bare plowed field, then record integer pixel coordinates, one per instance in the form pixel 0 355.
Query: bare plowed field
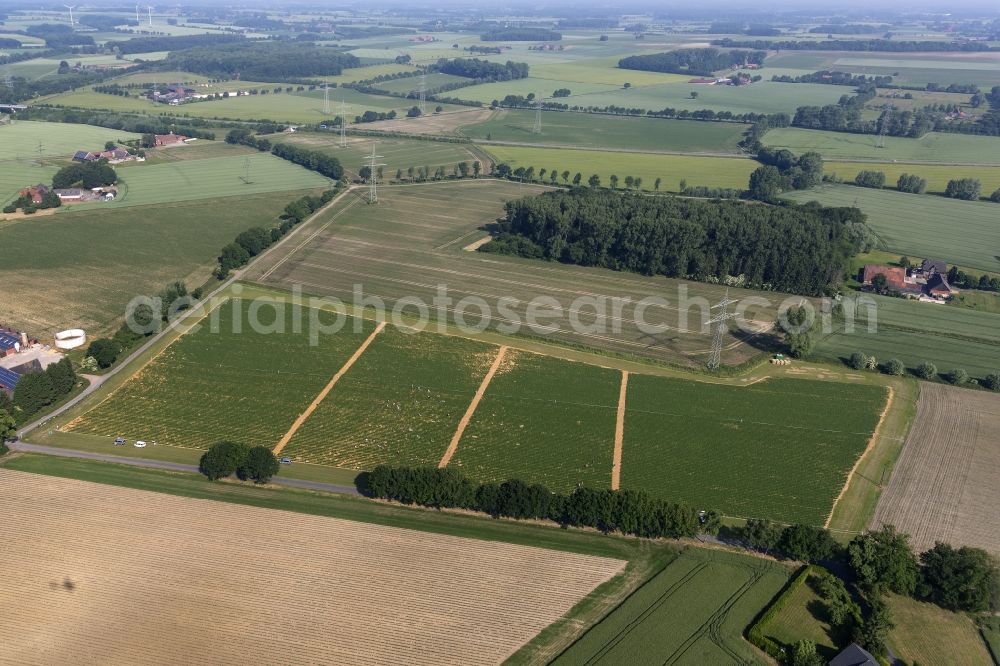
pixel 99 574
pixel 946 486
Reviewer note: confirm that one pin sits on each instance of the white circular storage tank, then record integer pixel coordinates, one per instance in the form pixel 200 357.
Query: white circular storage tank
pixel 71 339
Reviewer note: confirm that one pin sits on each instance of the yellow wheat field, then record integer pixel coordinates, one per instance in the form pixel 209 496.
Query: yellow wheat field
pixel 97 574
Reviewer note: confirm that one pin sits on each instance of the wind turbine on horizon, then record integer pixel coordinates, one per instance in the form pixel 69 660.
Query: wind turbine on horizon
pixel 138 21
pixel 70 8
pixel 149 10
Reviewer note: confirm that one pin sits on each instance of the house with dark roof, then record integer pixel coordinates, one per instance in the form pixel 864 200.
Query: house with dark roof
pixel 86 156
pixel 854 655
pixel 929 266
pixel 938 287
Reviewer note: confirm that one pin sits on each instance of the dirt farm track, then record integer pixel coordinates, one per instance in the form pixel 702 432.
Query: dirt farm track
pixel 105 575
pixel 946 485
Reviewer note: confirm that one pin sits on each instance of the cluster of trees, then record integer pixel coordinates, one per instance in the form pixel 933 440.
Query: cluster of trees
pixel 167 43
pixel 49 200
pixel 370 116
pixel 926 370
pixel 968 189
pixel 846 117
pixel 245 137
pixel 22 89
pixel 964 280
pixel 87 175
pixel 868 178
pixel 911 184
pixel 260 61
pixel 8 43
pixel 193 127
pixel 174 298
pixel 784 171
pixel 483 70
pixel 625 511
pixel 521 35
pixel 957 579
pixel 420 174
pixel 253 241
pixel 834 78
pixel 36 390
pixel 314 160
pixel 797 249
pixel 257 463
pixel 853 45
pixel 691 61
pixel 59 35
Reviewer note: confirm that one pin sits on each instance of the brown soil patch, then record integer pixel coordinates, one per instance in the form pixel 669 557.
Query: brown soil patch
pixel 453 445
pixel 616 465
pixel 109 575
pixel 946 485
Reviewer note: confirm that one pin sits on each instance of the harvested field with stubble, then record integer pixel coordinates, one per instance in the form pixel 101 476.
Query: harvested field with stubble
pixel 410 245
pixel 114 575
pixel 946 486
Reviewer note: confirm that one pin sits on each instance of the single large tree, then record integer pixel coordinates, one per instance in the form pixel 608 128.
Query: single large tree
pixel 259 465
pixel 223 459
pixel 884 558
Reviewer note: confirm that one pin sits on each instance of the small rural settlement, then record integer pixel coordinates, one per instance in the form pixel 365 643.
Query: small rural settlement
pixel 519 333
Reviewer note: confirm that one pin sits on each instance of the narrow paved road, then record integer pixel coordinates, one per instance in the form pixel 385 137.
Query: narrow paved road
pixel 97 381
pixel 25 447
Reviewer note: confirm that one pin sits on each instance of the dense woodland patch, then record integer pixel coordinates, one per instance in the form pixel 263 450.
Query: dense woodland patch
pixel 798 249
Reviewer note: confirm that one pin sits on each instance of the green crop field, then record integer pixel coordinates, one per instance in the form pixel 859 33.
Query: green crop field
pixel 977 357
pixel 210 386
pixel 599 131
pixel 412 84
pixel 949 337
pixel 905 68
pixel 730 172
pixel 693 612
pixel 932 147
pixel 80 269
pixel 552 421
pixel 959 232
pixel 400 403
pixel 760 97
pixel 776 449
pixel 936 175
pixel 296 107
pixel 17 174
pixel 928 634
pixel 602 71
pixel 22 139
pixel 543 88
pixel 189 180
pixel 396 153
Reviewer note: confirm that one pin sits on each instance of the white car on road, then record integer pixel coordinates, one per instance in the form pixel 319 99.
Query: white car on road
pixel 139 444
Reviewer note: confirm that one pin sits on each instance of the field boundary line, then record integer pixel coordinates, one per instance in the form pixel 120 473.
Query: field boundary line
pixel 864 454
pixel 453 444
pixel 309 238
pixel 616 464
pixel 326 389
